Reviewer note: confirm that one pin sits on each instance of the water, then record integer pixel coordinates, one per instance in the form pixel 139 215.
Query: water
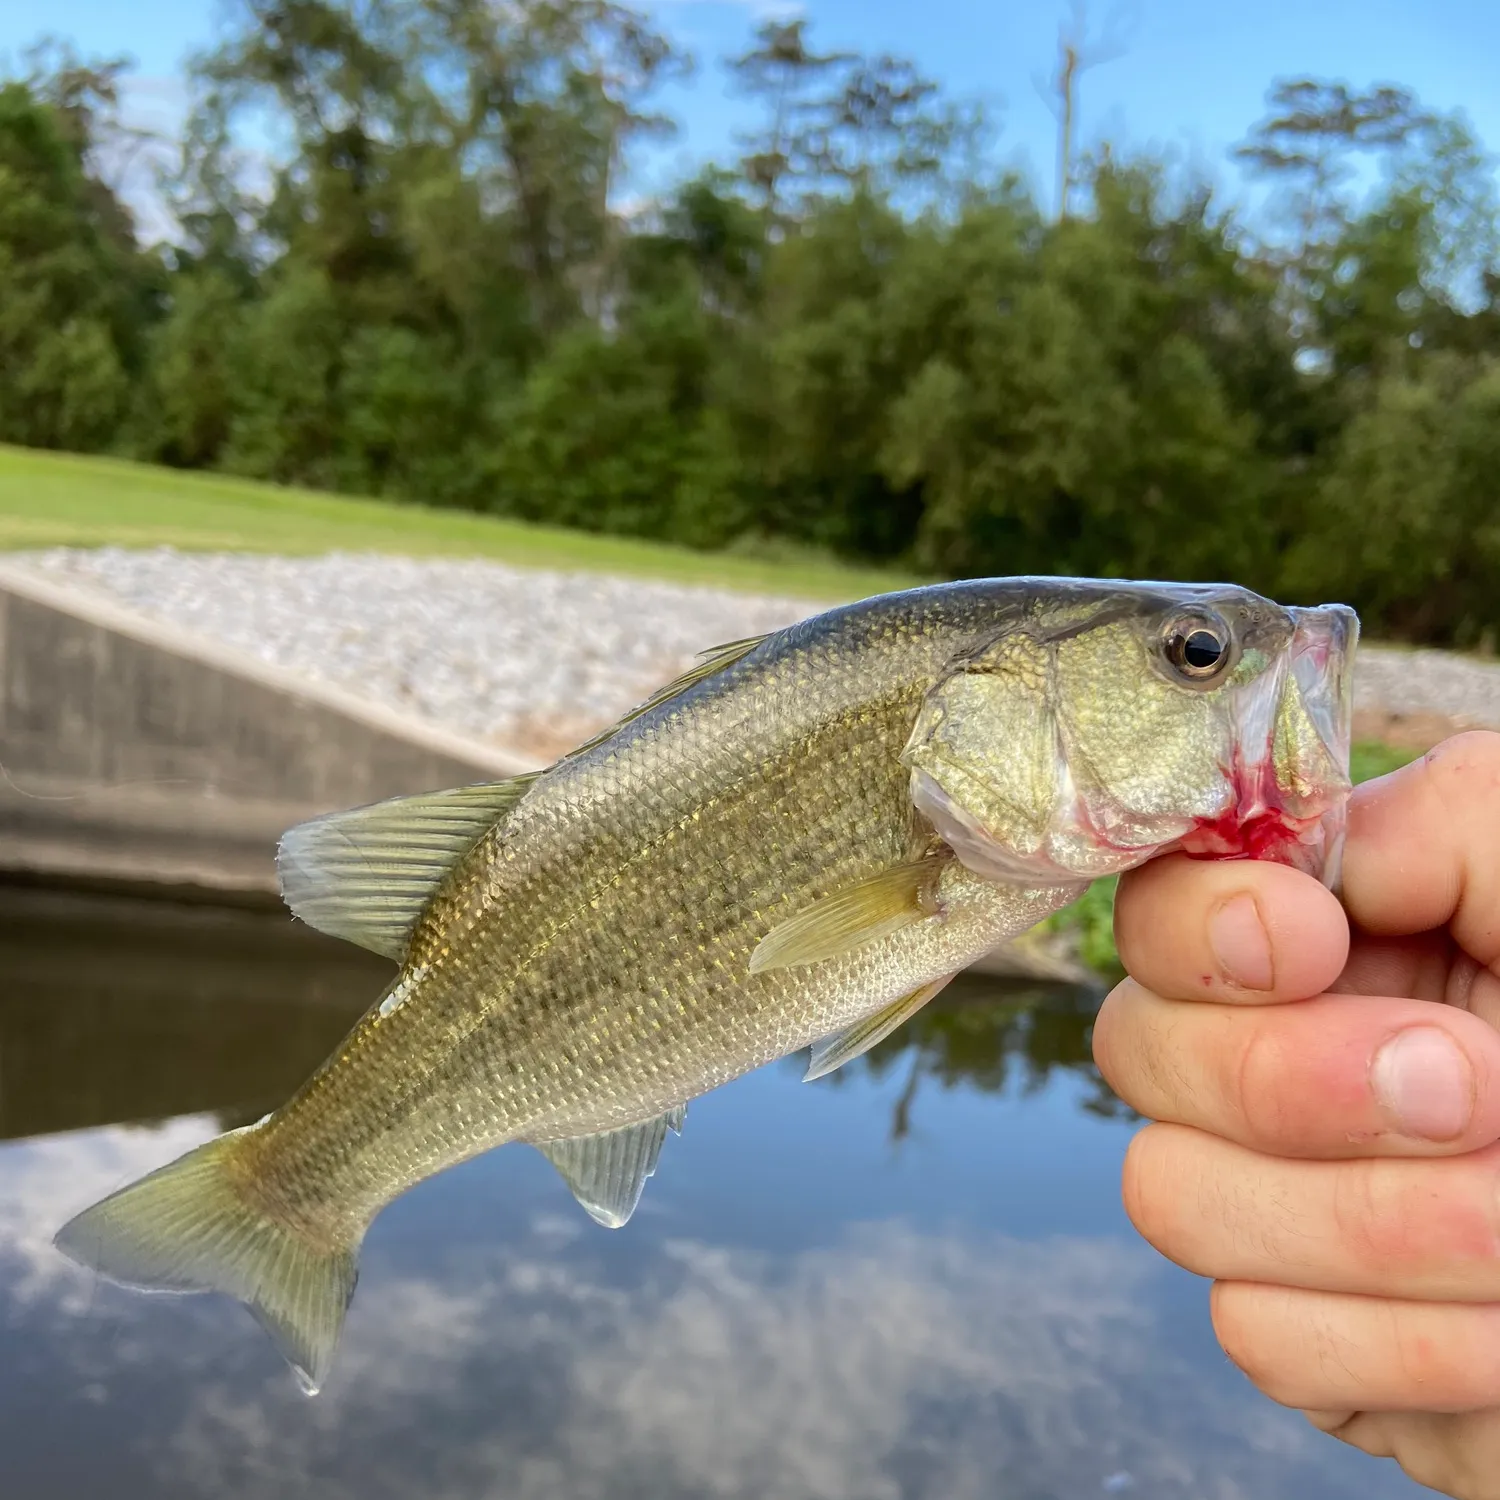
pixel 912 1279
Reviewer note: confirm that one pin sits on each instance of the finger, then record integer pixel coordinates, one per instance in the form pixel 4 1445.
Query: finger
pixel 1327 1350
pixel 1417 966
pixel 1456 1453
pixel 1380 1226
pixel 1337 1076
pixel 1234 930
pixel 1426 966
pixel 1420 851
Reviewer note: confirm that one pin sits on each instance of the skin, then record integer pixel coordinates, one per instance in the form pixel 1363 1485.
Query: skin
pixel 1326 1085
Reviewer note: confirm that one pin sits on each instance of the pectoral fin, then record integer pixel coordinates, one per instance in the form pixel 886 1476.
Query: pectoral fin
pixel 852 917
pixel 853 1041
pixel 607 1172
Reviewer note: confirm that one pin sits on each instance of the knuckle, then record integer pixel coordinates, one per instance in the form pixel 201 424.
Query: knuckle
pixel 1150 1189
pixel 1461 1458
pixel 1370 1210
pixel 1459 1372
pixel 1283 1344
pixel 1437 1226
pixel 1263 1222
pixel 1173 1070
pixel 1254 1090
pixel 1133 1048
pixel 1237 1311
pixel 1105 1038
pixel 1463 769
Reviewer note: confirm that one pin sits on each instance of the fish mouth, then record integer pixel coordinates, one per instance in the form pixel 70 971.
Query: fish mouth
pixel 1290 779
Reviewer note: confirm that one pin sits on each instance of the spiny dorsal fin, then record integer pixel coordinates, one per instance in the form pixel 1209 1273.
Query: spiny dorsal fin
pixel 606 1172
pixel 853 1041
pixel 367 875
pixel 852 917
pixel 715 659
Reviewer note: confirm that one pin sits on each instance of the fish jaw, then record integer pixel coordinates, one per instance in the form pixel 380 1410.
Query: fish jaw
pixel 1289 774
pixel 1275 788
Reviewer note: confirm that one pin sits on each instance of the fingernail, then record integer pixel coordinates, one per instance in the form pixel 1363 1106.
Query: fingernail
pixel 1238 938
pixel 1424 1083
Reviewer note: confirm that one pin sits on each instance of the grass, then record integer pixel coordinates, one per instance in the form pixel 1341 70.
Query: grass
pixel 1370 758
pixel 65 500
pixel 1090 920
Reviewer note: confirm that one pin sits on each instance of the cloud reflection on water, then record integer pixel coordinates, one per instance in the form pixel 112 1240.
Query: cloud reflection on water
pixel 532 1361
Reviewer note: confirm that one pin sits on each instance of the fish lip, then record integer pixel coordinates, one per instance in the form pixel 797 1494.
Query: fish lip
pixel 1319 668
pixel 1324 641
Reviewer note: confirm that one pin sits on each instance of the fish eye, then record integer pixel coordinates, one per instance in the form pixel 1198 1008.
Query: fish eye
pixel 1197 648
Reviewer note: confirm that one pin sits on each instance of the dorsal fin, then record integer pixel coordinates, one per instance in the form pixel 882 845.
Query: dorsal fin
pixel 715 659
pixel 367 875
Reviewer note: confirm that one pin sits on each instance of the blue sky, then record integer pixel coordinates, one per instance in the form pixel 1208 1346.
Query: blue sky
pixel 1191 78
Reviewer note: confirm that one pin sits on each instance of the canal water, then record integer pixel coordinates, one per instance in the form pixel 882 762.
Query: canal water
pixel 912 1279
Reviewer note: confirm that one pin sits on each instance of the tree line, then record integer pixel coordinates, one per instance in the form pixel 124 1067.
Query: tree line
pixel 861 335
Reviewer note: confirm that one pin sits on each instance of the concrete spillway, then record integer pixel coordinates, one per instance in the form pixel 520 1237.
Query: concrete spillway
pixel 130 752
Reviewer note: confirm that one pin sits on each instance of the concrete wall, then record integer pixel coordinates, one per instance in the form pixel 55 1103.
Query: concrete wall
pixel 131 752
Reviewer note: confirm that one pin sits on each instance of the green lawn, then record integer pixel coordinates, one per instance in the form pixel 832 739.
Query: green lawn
pixel 55 499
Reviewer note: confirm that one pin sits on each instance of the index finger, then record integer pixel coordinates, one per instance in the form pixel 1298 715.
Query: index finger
pixel 1423 847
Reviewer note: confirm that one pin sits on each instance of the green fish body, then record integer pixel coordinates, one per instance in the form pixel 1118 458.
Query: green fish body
pixel 795 845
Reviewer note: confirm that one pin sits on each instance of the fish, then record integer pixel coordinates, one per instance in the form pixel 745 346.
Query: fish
pixel 793 846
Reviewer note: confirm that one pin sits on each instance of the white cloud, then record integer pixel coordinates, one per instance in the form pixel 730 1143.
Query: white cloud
pixel 895 1362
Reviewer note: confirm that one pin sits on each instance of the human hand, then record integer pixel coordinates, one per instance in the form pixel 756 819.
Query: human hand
pixel 1330 1112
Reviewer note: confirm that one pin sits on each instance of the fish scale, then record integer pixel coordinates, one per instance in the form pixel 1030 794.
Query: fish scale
pixel 797 843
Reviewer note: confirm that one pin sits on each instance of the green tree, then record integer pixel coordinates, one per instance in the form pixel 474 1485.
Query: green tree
pixel 75 294
pixel 838 123
pixel 1308 147
pixel 1080 407
pixel 1406 523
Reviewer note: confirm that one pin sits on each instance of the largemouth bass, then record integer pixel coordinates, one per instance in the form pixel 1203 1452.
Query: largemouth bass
pixel 795 845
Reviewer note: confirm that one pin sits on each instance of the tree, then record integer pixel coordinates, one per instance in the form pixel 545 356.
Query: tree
pixel 839 123
pixel 1076 407
pixel 1405 522
pixel 76 296
pixel 1307 144
pixel 552 94
pixel 1077 54
pixel 1307 149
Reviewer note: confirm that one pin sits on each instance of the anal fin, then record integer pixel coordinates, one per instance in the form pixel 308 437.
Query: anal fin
pixel 854 1041
pixel 848 919
pixel 607 1172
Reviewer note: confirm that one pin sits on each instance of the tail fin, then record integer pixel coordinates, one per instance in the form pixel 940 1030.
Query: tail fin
pixel 185 1228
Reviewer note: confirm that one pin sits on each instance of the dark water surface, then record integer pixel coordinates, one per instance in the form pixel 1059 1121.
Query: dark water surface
pixel 912 1279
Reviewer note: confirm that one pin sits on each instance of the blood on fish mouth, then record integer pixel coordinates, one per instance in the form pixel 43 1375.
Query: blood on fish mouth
pixel 1255 827
pixel 1265 835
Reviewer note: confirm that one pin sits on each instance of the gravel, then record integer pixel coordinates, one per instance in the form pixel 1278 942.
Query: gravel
pixel 531 660
pixel 1395 683
pixel 536 660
